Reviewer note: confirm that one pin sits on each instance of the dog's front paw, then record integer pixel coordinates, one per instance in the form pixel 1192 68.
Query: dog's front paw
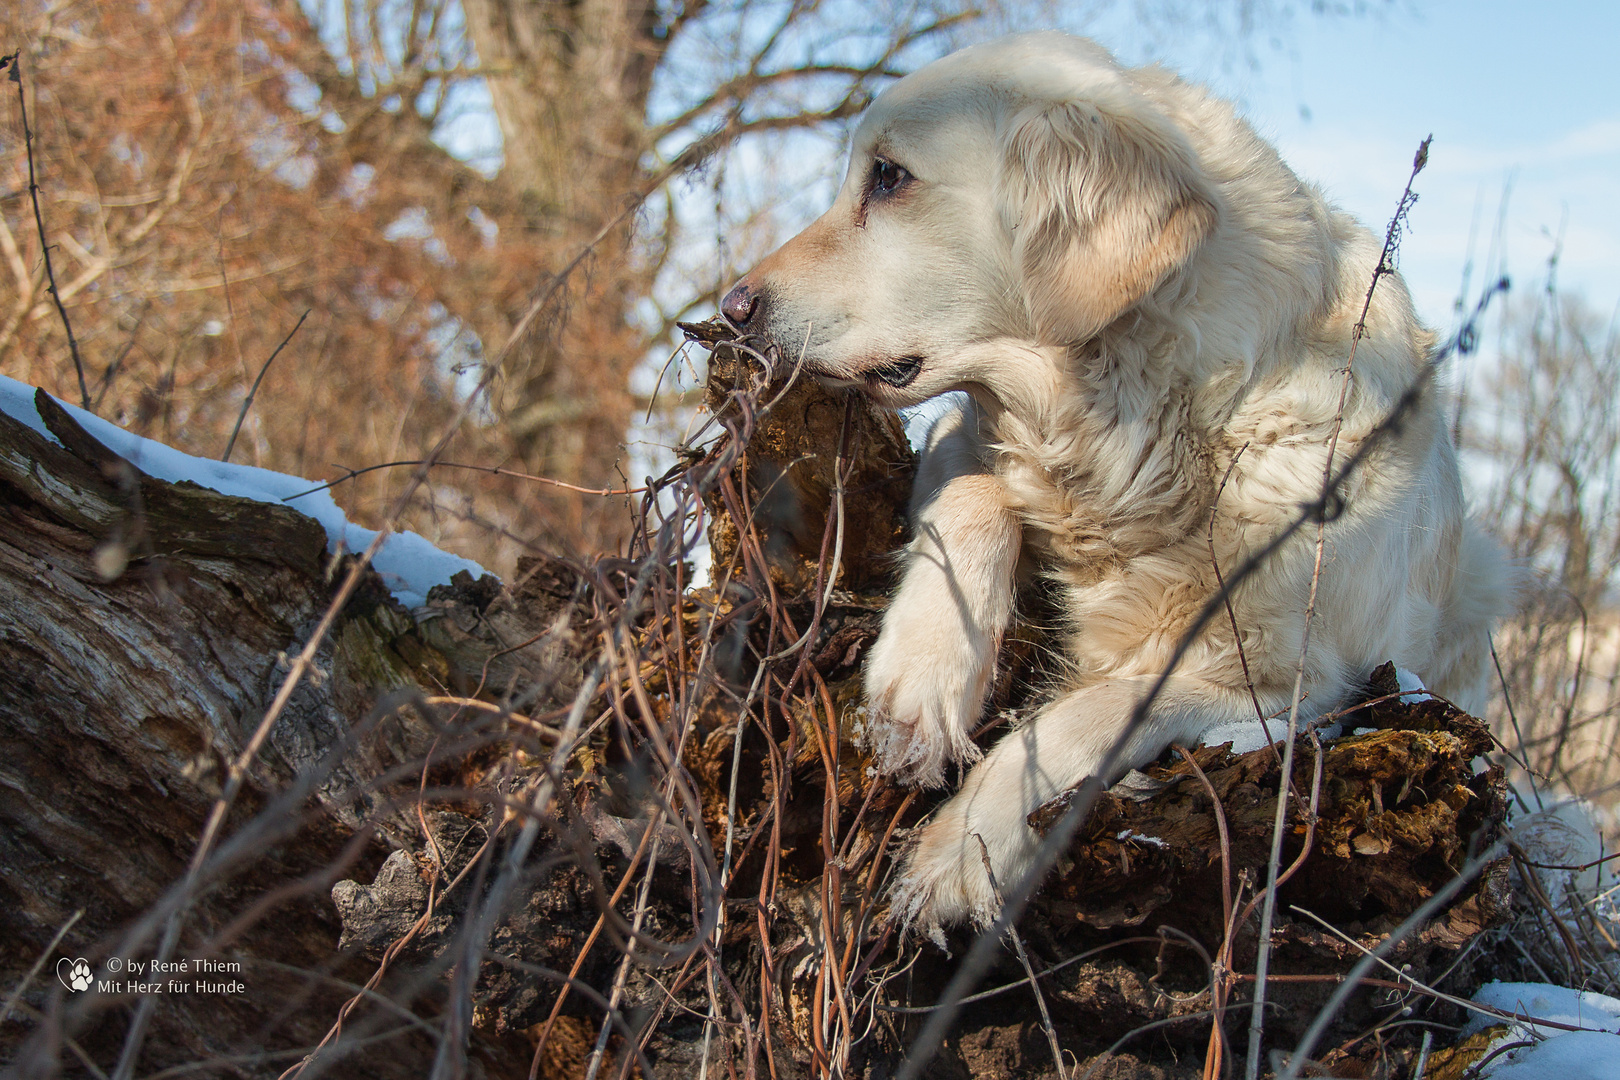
pixel 940 887
pixel 943 879
pixel 926 680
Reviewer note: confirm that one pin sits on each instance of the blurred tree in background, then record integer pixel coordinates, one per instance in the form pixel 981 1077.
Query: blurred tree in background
pixel 413 173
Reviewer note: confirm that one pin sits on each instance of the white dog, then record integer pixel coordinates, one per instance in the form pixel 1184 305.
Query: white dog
pixel 1137 295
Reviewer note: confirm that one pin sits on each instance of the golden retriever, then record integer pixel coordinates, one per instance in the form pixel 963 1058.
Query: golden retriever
pixel 1137 296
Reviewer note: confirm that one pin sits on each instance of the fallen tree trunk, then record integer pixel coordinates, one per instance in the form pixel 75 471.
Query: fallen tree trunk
pixel 705 850
pixel 144 630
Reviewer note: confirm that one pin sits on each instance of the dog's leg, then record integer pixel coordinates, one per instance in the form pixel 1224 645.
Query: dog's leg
pixel 943 880
pixel 928 673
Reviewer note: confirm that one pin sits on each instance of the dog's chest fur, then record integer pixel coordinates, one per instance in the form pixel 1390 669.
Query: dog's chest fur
pixel 1103 480
pixel 1127 502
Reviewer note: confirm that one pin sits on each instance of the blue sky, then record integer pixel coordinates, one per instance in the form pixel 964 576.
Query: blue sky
pixel 1526 94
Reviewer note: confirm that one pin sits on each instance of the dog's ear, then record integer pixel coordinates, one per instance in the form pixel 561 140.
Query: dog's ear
pixel 1103 206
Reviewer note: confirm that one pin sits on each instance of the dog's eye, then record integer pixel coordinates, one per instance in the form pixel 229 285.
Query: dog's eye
pixel 887 177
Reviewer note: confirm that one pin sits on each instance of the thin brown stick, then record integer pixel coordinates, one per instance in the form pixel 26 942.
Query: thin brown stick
pixel 1577 961
pixel 113 368
pixel 1029 970
pixel 1268 911
pixel 89 1063
pixel 623 971
pixel 1408 982
pixel 33 972
pixel 918 1010
pixel 1513 718
pixel 230 444
pixel 1231 615
pixel 1220 971
pixel 39 224
pixel 1577 868
pixel 350 474
pixel 1425 911
pixel 388 957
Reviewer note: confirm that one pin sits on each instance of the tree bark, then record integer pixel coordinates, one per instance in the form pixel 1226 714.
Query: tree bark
pixel 124 701
pixel 570 83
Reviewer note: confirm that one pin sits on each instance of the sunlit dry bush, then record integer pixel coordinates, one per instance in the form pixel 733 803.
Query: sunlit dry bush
pixel 209 173
pixel 1543 426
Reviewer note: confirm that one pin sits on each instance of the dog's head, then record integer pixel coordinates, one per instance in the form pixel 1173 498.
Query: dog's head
pixel 1019 190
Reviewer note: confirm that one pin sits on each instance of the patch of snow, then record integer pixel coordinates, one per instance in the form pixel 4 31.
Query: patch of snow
pixel 1592 1054
pixel 1412 687
pixel 1247 735
pixel 1575 1055
pixel 407 562
pixel 17 402
pixel 1578 1008
pixel 1244 735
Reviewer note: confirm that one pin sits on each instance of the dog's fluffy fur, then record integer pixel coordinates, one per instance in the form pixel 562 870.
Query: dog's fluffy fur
pixel 1137 296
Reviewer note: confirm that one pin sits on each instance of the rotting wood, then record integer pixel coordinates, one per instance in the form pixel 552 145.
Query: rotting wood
pixel 1402 809
pixel 790 475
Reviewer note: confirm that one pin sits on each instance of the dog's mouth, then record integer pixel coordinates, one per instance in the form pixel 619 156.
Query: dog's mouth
pixel 898 373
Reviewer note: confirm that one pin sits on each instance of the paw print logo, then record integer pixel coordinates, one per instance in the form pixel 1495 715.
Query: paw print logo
pixel 75 974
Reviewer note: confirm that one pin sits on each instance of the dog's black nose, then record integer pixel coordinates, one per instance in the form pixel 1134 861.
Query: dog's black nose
pixel 740 304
